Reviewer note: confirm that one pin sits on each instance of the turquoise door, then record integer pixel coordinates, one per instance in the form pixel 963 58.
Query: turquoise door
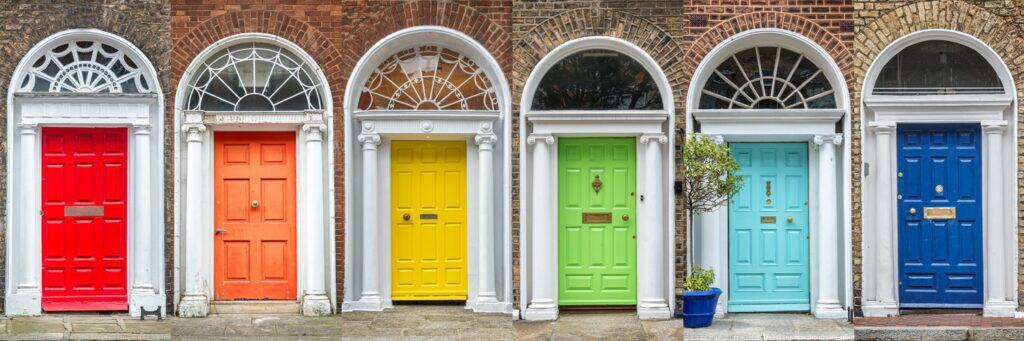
pixel 768 223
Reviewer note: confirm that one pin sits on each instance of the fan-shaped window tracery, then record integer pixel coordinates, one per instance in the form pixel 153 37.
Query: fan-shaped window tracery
pixel 937 67
pixel 255 77
pixel 767 78
pixel 597 80
pixel 428 78
pixel 85 67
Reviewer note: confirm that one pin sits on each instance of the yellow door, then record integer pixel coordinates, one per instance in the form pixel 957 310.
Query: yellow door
pixel 428 220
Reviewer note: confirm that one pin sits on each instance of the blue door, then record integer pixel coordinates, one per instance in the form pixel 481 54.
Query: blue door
pixel 768 221
pixel 939 208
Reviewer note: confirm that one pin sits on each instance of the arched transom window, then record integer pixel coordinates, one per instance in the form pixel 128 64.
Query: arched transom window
pixel 428 78
pixel 85 67
pixel 255 77
pixel 597 80
pixel 767 78
pixel 937 67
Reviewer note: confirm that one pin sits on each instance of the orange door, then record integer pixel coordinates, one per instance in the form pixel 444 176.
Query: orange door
pixel 254 238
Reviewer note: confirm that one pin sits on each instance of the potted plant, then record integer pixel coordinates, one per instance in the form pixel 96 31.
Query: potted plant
pixel 708 179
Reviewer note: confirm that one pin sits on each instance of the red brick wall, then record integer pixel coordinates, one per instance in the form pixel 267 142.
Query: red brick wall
pixel 335 34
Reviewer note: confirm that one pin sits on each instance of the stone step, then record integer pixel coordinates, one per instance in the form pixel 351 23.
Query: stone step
pixel 256 307
pixel 938 333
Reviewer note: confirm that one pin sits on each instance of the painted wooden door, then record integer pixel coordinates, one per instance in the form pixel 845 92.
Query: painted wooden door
pixel 939 210
pixel 428 220
pixel 254 216
pixel 84 219
pixel 597 221
pixel 768 229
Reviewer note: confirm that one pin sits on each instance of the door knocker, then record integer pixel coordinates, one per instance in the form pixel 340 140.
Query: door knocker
pixel 768 192
pixel 597 183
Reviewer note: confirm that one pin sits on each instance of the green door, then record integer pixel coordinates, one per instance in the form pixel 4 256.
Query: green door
pixel 596 221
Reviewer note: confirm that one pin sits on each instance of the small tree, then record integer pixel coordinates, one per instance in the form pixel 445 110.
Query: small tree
pixel 708 175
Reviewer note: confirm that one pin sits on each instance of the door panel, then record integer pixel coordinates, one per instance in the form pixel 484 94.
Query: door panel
pixel 597 255
pixel 84 219
pixel 254 194
pixel 428 220
pixel 940 260
pixel 768 229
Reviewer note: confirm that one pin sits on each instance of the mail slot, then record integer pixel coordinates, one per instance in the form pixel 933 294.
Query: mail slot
pixel 83 211
pixel 767 219
pixel 597 217
pixel 428 215
pixel 940 213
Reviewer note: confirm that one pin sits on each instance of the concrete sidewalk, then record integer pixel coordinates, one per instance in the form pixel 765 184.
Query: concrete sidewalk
pixel 600 326
pixel 83 327
pixel 773 327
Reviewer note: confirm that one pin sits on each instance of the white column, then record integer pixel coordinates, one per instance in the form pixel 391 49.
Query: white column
pixel 996 303
pixel 27 251
pixel 194 302
pixel 884 302
pixel 315 301
pixel 370 296
pixel 650 235
pixel 543 237
pixel 144 293
pixel 713 245
pixel 486 299
pixel 828 229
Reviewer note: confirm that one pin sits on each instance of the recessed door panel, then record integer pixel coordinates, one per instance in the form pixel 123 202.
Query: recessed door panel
pixel 84 219
pixel 254 216
pixel 940 255
pixel 428 220
pixel 596 221
pixel 768 229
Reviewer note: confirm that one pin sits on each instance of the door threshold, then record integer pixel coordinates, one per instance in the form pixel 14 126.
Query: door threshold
pixel 597 309
pixel 255 307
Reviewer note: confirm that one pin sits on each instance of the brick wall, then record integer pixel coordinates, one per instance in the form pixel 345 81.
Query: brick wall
pixel 878 23
pixel 24 23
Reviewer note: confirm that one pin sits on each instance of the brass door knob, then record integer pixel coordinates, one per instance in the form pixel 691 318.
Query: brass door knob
pixel 913 211
pixel 255 204
pixel 405 217
pixel 219 231
pixel 625 217
pixel 789 219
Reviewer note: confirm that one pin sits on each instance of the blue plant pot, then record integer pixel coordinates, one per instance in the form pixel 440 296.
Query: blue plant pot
pixel 699 307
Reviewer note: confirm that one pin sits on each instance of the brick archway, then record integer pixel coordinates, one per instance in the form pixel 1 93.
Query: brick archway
pixel 998 33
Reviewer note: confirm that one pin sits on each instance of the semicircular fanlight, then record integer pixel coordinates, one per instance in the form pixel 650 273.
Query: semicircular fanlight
pixel 85 67
pixel 428 78
pixel 767 78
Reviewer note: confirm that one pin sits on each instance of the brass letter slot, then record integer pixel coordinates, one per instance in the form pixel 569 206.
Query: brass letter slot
pixel 597 218
pixel 83 211
pixel 428 215
pixel 767 219
pixel 940 213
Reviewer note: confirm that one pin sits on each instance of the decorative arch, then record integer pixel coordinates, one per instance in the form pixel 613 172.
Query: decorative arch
pixel 428 78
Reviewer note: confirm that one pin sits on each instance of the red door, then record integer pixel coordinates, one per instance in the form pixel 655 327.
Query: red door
pixel 254 216
pixel 84 218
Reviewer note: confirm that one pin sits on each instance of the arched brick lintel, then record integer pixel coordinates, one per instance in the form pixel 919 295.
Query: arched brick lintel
pixel 495 38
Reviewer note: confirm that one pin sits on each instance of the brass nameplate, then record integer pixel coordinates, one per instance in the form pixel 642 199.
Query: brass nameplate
pixel 597 218
pixel 940 213
pixel 428 215
pixel 767 219
pixel 83 211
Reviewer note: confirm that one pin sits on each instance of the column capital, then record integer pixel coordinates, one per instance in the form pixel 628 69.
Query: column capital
pixel 485 140
pixel 994 127
pixel 193 132
pixel 27 128
pixel 369 141
pixel 142 129
pixel 542 138
pixel 820 140
pixel 314 131
pixel 656 138
pixel 882 127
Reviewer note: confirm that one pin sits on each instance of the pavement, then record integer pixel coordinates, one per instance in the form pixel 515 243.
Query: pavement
pixel 600 326
pixel 765 326
pixel 928 327
pixel 83 327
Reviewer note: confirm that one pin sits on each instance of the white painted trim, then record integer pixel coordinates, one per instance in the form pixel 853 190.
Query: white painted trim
pixel 386 125
pixel 142 112
pixel 547 125
pixel 253 121
pixel 884 112
pixel 767 125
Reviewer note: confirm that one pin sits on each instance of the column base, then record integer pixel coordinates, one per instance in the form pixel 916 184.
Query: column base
pixel 999 309
pixel 881 309
pixel 829 310
pixel 316 305
pixel 720 309
pixel 653 311
pixel 367 303
pixel 146 299
pixel 541 312
pixel 194 306
pixel 24 302
pixel 488 304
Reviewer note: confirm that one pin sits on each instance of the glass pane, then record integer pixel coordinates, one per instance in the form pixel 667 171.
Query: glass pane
pixel 428 78
pixel 767 78
pixel 86 67
pixel 597 80
pixel 937 68
pixel 254 77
